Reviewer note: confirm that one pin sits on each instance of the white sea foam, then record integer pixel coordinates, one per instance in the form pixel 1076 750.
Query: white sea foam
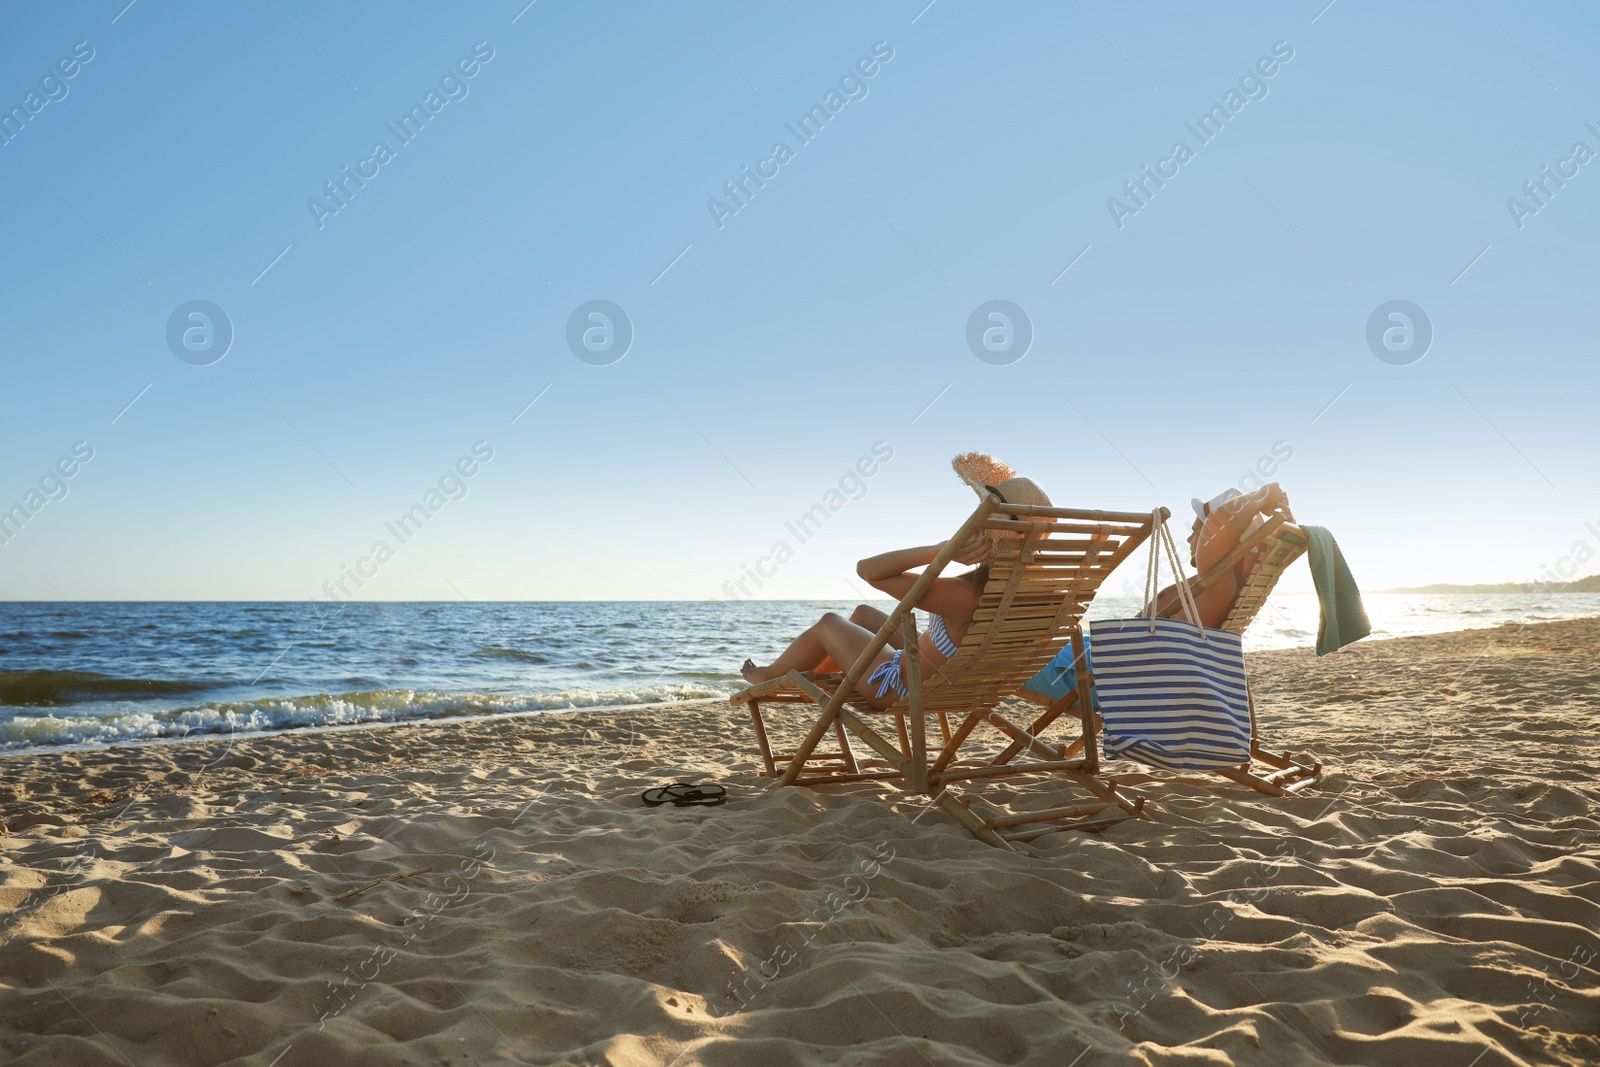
pixel 321 709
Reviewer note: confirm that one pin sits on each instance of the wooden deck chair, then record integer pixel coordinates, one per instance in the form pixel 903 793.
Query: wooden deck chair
pixel 1279 543
pixel 1039 586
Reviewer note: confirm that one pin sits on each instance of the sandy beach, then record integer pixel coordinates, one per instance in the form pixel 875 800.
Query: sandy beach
pixel 493 891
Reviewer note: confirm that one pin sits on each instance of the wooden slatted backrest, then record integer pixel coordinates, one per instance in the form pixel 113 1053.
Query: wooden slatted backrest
pixel 1039 586
pixel 1277 543
pixel 1275 552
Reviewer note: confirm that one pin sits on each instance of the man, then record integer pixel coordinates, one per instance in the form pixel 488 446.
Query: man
pixel 1219 525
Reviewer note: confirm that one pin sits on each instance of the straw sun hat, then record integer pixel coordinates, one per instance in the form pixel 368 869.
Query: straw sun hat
pixel 985 472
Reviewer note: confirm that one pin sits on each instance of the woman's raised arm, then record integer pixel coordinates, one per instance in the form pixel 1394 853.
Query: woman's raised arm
pixel 1229 522
pixel 875 569
pixel 890 572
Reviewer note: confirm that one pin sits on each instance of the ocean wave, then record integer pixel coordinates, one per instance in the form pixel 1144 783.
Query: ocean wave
pixel 29 688
pixel 496 652
pixel 269 715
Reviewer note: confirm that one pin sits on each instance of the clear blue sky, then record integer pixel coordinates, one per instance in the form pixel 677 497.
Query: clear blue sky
pixel 825 315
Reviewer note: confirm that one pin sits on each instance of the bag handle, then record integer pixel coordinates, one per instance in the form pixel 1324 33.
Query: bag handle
pixel 1151 562
pixel 1161 539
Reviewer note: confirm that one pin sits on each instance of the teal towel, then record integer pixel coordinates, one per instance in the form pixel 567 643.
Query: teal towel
pixel 1344 619
pixel 1057 679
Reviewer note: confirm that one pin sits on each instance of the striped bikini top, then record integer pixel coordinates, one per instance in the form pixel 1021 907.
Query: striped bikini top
pixel 940 636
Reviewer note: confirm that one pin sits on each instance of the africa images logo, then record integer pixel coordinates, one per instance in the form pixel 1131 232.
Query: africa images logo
pixel 1252 86
pixel 852 87
pixel 453 87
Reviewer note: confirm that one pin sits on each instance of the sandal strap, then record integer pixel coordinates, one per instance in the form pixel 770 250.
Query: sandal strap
pixel 668 793
pixel 684 794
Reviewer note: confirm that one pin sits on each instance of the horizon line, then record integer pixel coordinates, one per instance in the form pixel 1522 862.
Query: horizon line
pixel 1409 591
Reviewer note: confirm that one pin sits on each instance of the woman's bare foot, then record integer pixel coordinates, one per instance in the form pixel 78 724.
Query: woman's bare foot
pixel 753 674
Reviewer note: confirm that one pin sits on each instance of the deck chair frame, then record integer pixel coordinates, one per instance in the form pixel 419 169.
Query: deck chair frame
pixel 1038 589
pixel 1279 543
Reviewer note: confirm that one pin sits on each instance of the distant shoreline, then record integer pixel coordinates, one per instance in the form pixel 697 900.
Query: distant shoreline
pixel 1590 584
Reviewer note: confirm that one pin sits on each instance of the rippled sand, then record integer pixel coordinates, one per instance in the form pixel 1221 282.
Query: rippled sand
pixel 1434 901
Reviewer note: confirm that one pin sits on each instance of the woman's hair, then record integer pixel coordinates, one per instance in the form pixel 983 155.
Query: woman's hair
pixel 979 576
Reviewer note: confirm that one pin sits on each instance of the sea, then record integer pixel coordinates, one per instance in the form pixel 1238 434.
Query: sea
pixel 116 673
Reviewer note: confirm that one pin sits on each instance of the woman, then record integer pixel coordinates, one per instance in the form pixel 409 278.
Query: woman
pixel 835 642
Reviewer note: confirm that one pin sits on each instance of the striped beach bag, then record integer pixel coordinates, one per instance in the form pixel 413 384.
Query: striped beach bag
pixel 1172 692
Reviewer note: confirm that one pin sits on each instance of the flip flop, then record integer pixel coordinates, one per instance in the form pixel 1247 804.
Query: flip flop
pixel 667 794
pixel 685 794
pixel 703 796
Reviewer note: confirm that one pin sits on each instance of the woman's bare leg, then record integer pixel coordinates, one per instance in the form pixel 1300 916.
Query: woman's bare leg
pixel 871 620
pixel 833 637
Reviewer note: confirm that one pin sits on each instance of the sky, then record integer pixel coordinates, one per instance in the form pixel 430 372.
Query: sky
pixel 360 350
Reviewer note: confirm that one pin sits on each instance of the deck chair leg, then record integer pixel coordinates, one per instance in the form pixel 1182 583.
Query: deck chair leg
pixel 877 742
pixel 1289 775
pixel 1024 739
pixel 944 726
pixel 953 746
pixel 845 720
pixel 943 798
pixel 917 750
pixel 824 700
pixel 850 764
pixel 1086 715
pixel 1107 791
pixel 1059 708
pixel 905 739
pixel 761 738
pixel 979 828
pixel 1243 776
pixel 1104 791
pixel 1273 759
